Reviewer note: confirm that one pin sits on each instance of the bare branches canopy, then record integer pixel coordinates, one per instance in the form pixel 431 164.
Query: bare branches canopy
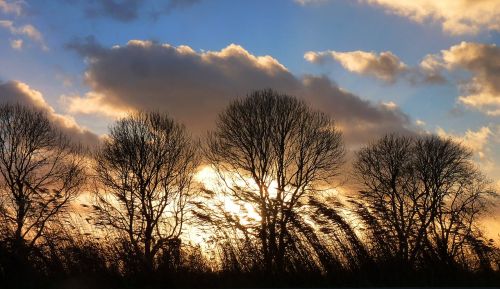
pixel 422 193
pixel 41 172
pixel 279 150
pixel 272 208
pixel 144 171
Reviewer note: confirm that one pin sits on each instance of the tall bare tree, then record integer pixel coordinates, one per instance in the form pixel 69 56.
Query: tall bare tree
pixel 454 194
pixel 40 173
pixel 144 171
pixel 271 150
pixel 422 193
pixel 385 170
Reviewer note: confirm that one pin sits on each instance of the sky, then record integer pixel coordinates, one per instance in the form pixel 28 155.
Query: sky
pixel 376 66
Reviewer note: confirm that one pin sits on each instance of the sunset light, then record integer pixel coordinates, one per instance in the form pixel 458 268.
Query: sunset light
pixel 249 144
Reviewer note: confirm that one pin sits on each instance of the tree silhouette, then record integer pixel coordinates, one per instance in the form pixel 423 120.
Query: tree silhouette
pixel 455 193
pixel 420 195
pixel 144 171
pixel 40 173
pixel 272 216
pixel 271 150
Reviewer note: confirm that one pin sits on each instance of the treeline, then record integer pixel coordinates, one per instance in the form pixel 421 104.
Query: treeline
pixel 132 213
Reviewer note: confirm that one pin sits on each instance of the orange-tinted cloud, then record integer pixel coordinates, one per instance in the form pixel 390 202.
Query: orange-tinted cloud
pixel 483 142
pixel 29 31
pixel 195 86
pixel 15 7
pixel 384 66
pixel 455 16
pixel 482 90
pixel 21 93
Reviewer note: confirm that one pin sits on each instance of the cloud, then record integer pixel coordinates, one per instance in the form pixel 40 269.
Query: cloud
pixel 16 44
pixel 121 10
pixel 195 86
pixel 474 140
pixel 455 16
pixel 13 7
pixel 479 90
pixel 309 2
pixel 384 66
pixel 93 103
pixel 483 142
pixel 391 105
pixel 129 10
pixel 19 92
pixel 172 4
pixel 420 123
pixel 27 30
pixel 429 71
pixel 482 90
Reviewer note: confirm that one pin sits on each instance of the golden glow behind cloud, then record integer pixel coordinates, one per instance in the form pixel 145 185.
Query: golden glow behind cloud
pixel 22 93
pixel 455 16
pixel 483 143
pixel 194 86
pixel 92 103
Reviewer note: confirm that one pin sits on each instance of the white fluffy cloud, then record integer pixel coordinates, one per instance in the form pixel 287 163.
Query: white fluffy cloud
pixel 480 89
pixel 12 7
pixel 195 86
pixel 420 123
pixel 482 61
pixel 26 31
pixel 455 16
pixel 308 2
pixel 384 66
pixel 484 143
pixel 93 103
pixel 21 93
pixel 16 44
pixel 476 141
pixel 29 31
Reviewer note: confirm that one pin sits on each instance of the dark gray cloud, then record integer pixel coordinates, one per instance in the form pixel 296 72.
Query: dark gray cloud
pixel 174 4
pixel 156 12
pixel 121 10
pixel 195 86
pixel 129 10
pixel 20 93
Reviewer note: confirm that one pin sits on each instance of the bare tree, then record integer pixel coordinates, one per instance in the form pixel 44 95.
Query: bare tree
pixel 454 194
pixel 40 173
pixel 271 150
pixel 423 193
pixel 385 170
pixel 144 171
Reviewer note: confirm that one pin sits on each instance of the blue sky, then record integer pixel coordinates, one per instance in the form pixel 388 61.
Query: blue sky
pixel 284 30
